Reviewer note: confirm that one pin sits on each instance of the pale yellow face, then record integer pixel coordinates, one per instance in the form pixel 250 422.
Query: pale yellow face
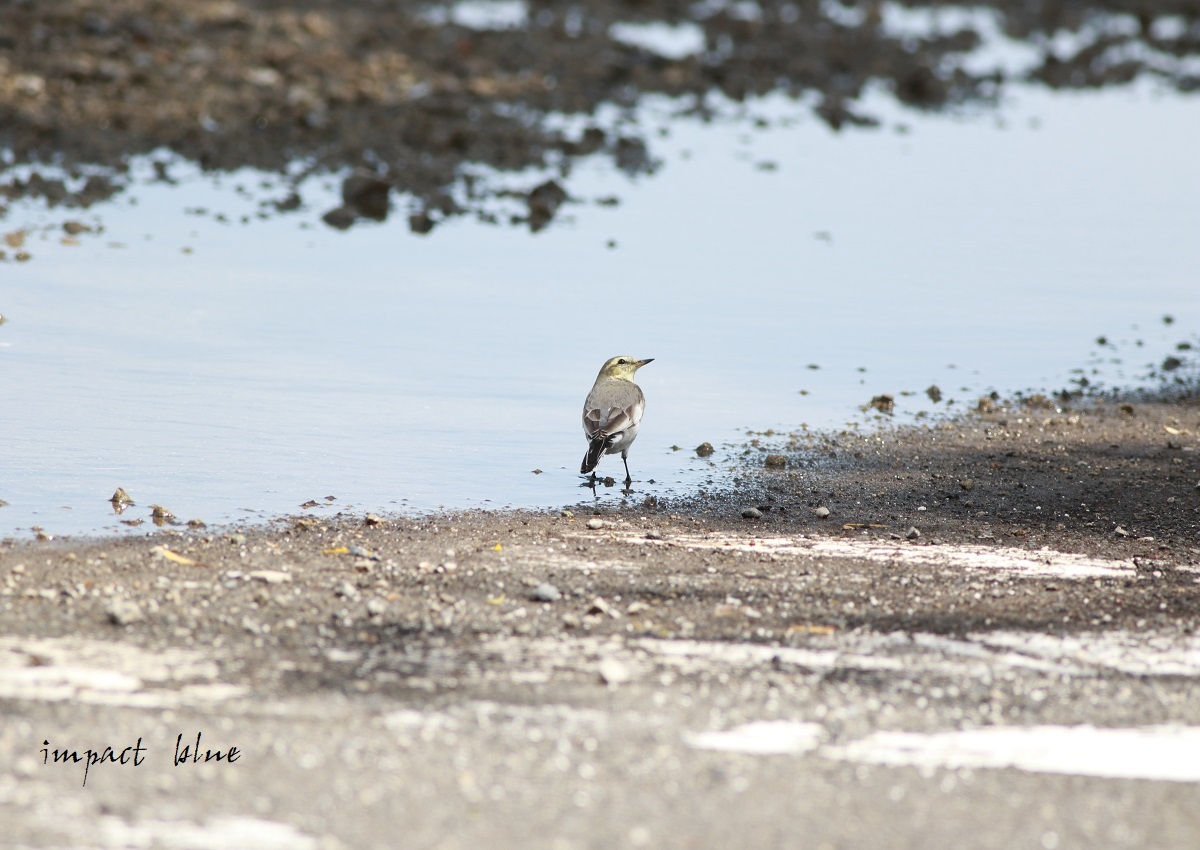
pixel 622 367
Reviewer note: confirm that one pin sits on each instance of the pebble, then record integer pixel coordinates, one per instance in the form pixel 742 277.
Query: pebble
pixel 913 533
pixel 595 523
pixel 347 590
pixel 238 539
pixel 653 535
pixel 123 611
pixel 120 497
pixel 567 514
pixel 884 403
pixel 269 576
pixel 775 462
pixel 613 672
pixel 751 513
pixel 967 484
pixel 822 512
pixel 545 592
pixel 705 449
pixel 372 519
pixel 600 607
pixel 376 607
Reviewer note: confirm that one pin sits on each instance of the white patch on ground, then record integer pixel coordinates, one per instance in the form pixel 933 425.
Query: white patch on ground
pixel 763 737
pixel 242 832
pixel 108 673
pixel 1164 753
pixel 1021 563
pixel 983 655
pixel 1136 654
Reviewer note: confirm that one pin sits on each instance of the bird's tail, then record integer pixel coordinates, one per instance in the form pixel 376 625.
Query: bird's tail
pixel 596 448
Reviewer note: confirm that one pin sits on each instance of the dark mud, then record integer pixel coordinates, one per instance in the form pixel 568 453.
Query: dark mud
pixel 423 109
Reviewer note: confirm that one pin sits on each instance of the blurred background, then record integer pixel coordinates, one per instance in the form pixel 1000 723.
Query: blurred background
pixel 258 254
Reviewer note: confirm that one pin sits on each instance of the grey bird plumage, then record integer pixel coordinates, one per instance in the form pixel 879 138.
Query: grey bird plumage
pixel 612 413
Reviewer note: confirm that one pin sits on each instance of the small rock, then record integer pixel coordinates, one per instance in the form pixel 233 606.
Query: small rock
pixel 601 608
pixel 705 449
pixel 934 393
pixel 196 524
pixel 636 607
pixel 751 513
pixel 237 539
pixel 545 592
pixel 544 201
pixel 339 218
pixel 967 483
pixel 347 590
pixel 775 462
pixel 74 228
pixel 159 512
pixel 570 621
pixel 366 194
pixel 567 514
pixel 822 512
pixel 1174 445
pixel 653 535
pixel 1120 532
pixel 120 497
pixel 986 405
pixel 377 607
pixel 372 519
pixel 595 524
pixel 305 523
pixel 269 576
pixel 420 223
pixel 613 672
pixel 884 403
pixel 123 611
pixel 913 533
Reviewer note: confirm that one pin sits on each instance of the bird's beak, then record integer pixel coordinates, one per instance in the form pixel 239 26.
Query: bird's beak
pixel 642 363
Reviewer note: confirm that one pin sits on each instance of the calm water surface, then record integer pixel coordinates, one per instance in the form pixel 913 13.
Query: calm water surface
pixel 230 371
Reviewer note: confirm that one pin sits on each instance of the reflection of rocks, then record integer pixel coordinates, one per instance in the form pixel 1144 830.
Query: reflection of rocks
pixel 385 89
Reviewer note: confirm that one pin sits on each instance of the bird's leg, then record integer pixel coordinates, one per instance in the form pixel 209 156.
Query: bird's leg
pixel 625 460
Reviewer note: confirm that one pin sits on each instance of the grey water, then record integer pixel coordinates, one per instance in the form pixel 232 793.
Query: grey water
pixel 780 277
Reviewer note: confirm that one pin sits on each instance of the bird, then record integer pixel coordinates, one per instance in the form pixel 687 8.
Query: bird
pixel 612 413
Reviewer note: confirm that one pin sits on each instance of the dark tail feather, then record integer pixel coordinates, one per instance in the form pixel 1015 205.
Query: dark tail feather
pixel 595 449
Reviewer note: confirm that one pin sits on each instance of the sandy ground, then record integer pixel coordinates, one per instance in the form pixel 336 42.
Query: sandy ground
pixel 658 675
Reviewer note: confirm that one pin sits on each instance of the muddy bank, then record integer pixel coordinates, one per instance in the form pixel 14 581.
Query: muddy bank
pixel 1116 481
pixel 423 100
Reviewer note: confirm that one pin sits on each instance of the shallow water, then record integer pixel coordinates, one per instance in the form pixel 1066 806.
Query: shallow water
pixel 229 370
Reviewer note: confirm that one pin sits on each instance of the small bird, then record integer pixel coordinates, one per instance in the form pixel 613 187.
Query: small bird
pixel 612 413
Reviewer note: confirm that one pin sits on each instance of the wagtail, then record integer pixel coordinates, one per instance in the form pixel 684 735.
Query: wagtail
pixel 612 413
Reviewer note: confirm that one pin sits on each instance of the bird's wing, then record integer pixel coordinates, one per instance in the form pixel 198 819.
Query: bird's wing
pixel 612 415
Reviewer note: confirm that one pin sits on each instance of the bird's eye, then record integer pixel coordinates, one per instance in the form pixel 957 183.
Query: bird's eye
pixel 622 362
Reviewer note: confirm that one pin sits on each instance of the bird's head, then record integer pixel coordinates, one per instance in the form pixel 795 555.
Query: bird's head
pixel 622 368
